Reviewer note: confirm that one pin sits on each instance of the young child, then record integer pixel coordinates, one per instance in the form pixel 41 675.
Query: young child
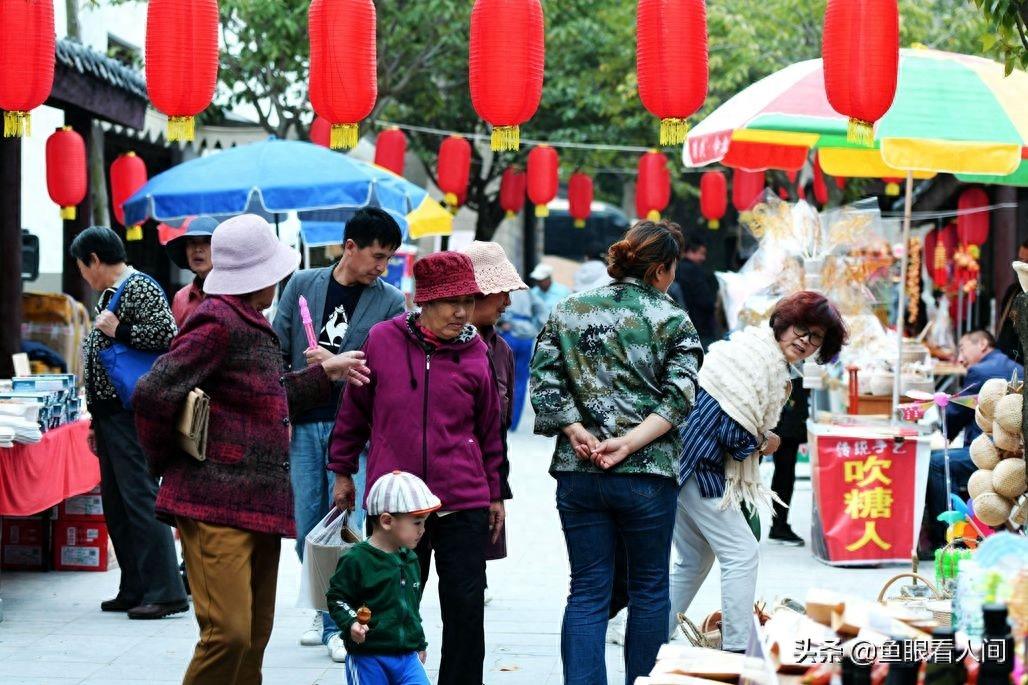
pixel 376 589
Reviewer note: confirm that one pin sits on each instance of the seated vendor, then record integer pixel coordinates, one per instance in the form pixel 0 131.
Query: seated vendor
pixel 978 354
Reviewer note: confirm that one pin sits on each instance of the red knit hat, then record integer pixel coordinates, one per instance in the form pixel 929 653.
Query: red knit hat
pixel 442 275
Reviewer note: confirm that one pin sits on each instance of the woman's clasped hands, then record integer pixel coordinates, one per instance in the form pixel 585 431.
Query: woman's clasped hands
pixel 605 454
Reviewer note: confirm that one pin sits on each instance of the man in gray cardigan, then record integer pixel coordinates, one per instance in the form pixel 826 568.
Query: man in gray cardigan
pixel 345 301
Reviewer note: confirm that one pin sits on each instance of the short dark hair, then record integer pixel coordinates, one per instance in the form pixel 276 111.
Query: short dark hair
pixel 980 335
pixel 1025 244
pixel 807 308
pixel 693 240
pixel 101 241
pixel 369 224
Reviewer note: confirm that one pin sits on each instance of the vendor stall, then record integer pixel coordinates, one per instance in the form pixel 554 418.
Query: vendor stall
pixel 36 477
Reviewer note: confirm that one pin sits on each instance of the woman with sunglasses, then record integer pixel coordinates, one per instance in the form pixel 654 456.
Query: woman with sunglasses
pixel 744 384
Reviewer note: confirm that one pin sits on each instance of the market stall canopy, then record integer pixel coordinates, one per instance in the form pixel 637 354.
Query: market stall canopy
pixel 952 114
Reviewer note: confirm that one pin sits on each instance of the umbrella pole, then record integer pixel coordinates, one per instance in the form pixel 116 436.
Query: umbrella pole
pixel 898 371
pixel 276 225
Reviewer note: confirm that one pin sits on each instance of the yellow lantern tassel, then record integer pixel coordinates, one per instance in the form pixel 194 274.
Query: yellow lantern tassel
pixel 673 131
pixel 510 215
pixel 68 213
pixel 344 136
pixel 506 138
pixel 542 211
pixel 579 223
pixel 713 224
pixel 451 200
pixel 860 132
pixel 892 189
pixel 653 215
pixel 134 233
pixel 17 124
pixel 181 128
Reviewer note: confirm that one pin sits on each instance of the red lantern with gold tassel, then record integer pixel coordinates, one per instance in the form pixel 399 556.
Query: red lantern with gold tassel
pixel 746 188
pixel 453 169
pixel 506 57
pixel 939 247
pixel 66 170
pixel 713 197
pixel 580 198
pixel 181 60
pixel 321 132
pixel 892 186
pixel 861 62
pixel 543 178
pixel 973 228
pixel 26 61
pixel 671 62
pixel 344 66
pixel 390 149
pixel 512 191
pixel 820 187
pixel 652 186
pixel 128 174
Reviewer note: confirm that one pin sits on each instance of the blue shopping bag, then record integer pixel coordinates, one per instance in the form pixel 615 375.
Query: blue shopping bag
pixel 125 365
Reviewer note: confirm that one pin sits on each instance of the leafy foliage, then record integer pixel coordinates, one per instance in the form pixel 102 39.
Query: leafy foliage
pixel 1007 34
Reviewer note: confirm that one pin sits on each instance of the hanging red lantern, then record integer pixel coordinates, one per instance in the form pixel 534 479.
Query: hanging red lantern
pixel 973 228
pixel 66 170
pixel 321 132
pixel 671 62
pixel 713 197
pixel 128 174
pixel 343 67
pixel 513 185
pixel 939 248
pixel 543 178
pixel 860 48
pixel 840 182
pixel 820 187
pixel 390 149
pixel 580 198
pixel 453 169
pixel 507 53
pixel 746 188
pixel 26 61
pixel 181 60
pixel 892 186
pixel 652 186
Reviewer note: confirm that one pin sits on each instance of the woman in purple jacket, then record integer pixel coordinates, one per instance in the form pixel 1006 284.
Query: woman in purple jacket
pixel 432 409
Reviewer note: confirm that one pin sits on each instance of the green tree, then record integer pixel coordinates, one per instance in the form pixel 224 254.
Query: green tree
pixel 1006 36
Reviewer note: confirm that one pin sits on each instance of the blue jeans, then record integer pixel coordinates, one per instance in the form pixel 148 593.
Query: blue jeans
pixel 597 512
pixel 960 469
pixel 385 669
pixel 312 488
pixel 522 348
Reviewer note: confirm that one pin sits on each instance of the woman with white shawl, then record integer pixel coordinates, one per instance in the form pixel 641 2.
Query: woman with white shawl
pixel 744 384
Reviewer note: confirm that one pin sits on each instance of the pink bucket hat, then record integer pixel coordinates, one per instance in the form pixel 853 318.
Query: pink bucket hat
pixel 247 257
pixel 442 275
pixel 493 271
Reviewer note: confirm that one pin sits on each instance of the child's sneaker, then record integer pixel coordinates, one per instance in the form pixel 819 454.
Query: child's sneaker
pixel 337 648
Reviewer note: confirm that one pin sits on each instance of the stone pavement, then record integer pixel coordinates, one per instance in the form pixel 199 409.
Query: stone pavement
pixel 54 633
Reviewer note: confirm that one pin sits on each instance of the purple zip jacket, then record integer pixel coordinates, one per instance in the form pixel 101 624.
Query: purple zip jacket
pixel 433 412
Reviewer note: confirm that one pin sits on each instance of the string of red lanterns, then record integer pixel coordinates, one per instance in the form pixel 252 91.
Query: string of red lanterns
pixel 27 67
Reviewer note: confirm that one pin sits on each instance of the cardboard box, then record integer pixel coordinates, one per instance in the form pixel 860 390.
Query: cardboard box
pixel 82 546
pixel 85 507
pixel 23 544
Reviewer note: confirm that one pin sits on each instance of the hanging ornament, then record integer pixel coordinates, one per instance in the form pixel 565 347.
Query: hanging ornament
pixel 343 66
pixel 128 174
pixel 746 188
pixel 913 283
pixel 652 186
pixel 543 179
pixel 580 198
pixel 513 185
pixel 26 61
pixel 453 170
pixel 66 170
pixel 973 228
pixel 713 197
pixel 390 150
pixel 506 58
pixel 671 62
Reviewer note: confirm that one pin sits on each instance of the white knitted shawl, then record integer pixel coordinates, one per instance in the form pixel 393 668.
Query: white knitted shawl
pixel 748 376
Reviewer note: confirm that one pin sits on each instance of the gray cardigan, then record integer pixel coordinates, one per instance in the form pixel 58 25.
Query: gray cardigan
pixel 379 302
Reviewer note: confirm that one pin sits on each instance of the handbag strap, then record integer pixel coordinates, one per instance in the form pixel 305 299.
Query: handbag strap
pixel 116 298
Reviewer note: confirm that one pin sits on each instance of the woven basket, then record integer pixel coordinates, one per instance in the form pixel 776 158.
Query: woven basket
pixel 941 613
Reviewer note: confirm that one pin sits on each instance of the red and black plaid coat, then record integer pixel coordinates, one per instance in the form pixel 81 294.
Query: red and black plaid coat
pixel 229 350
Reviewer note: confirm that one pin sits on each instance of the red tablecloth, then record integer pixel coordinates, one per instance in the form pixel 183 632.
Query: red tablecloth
pixel 36 477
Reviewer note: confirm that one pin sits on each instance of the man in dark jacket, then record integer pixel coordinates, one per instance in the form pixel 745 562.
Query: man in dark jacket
pixel 698 287
pixel 1006 335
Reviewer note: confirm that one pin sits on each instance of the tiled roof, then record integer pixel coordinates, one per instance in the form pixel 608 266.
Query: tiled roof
pixel 85 60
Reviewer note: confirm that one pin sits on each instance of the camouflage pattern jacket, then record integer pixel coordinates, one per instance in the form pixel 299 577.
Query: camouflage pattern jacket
pixel 608 358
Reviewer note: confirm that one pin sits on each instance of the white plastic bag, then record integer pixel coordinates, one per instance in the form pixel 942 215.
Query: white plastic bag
pixel 322 548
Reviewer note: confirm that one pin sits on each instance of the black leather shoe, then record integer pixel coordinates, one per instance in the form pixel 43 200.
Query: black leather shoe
pixel 116 604
pixel 146 612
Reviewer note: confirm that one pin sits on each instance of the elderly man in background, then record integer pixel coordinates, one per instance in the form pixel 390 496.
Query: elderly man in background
pixel 547 289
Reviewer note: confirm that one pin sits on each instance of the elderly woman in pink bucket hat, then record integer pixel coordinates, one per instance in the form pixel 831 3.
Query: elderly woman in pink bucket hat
pixel 433 410
pixel 234 507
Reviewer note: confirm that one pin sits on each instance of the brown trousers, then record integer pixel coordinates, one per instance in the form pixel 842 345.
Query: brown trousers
pixel 233 574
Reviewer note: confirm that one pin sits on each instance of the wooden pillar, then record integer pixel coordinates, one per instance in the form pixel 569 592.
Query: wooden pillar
pixel 71 280
pixel 10 253
pixel 530 242
pixel 1004 235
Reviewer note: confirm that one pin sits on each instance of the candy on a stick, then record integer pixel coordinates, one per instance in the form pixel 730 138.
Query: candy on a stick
pixel 364 616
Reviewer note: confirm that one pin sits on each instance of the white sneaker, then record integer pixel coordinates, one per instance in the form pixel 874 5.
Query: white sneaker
pixel 312 636
pixel 616 628
pixel 337 648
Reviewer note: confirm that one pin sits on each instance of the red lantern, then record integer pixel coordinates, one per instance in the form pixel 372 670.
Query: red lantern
pixel 321 132
pixel 746 188
pixel 973 229
pixel 652 186
pixel 671 62
pixel 26 61
pixel 512 191
pixel 128 174
pixel 181 60
pixel 939 247
pixel 454 169
pixel 390 149
pixel 861 61
pixel 820 187
pixel 840 182
pixel 543 178
pixel 892 186
pixel 66 170
pixel 580 198
pixel 344 67
pixel 713 197
pixel 507 54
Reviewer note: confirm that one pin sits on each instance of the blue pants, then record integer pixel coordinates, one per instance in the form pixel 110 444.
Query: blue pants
pixel 385 669
pixel 522 348
pixel 599 512
pixel 312 488
pixel 960 469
